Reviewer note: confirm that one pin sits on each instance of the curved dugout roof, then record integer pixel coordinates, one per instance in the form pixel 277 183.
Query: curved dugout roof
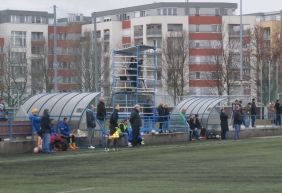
pixel 60 105
pixel 207 107
pixel 134 50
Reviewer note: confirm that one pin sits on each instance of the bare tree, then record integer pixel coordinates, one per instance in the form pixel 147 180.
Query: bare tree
pixel 175 51
pixel 266 54
pixel 15 75
pixel 41 79
pixel 88 66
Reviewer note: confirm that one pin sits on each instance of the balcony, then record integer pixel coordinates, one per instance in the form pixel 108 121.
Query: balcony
pixel 237 33
pixel 154 33
pixel 138 34
pixel 106 37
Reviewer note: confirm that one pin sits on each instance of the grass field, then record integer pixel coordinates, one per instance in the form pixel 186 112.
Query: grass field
pixel 245 166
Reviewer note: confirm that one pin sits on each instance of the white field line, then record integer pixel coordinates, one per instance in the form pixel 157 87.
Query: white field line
pixel 78 190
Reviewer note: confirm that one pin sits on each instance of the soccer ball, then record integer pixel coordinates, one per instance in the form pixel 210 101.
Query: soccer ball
pixel 36 150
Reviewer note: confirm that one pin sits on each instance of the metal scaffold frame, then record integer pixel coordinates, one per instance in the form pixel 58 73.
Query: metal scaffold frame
pixel 134 75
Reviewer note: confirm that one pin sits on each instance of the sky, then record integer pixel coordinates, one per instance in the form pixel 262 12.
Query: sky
pixel 86 7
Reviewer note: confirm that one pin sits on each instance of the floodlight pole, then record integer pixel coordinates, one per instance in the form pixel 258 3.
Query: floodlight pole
pixel 55 62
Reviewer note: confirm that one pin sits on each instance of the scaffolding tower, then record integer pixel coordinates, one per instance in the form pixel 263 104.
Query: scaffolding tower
pixel 134 75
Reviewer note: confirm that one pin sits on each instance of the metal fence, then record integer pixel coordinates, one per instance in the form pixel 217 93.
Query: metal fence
pixel 14 130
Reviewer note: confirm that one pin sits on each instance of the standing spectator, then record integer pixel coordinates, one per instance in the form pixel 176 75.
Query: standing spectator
pixel 237 118
pixel 202 131
pixel 194 130
pixel 101 112
pixel 46 131
pixel 136 123
pixel 133 72
pixel 165 118
pixel 160 110
pixel 271 112
pixel 223 123
pixel 113 128
pixel 278 112
pixel 35 124
pixel 91 124
pixel 253 112
pixel 64 130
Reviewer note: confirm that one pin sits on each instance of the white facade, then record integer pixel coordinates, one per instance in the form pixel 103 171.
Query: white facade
pixel 8 30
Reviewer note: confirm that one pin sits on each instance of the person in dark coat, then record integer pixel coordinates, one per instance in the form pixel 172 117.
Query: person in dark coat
pixel 90 124
pixel 136 123
pixel 278 112
pixel 132 72
pixel 237 122
pixel 223 123
pixel 113 128
pixel 161 113
pixel 101 112
pixel 166 118
pixel 253 112
pixel 194 133
pixel 46 131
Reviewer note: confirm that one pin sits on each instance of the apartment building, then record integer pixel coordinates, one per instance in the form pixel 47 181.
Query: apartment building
pixel 23 38
pixel 212 30
pixel 203 22
pixel 68 53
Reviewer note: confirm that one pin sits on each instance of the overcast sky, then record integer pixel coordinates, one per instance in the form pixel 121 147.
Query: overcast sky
pixel 88 6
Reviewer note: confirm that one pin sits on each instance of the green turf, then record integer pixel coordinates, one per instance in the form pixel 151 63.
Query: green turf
pixel 253 165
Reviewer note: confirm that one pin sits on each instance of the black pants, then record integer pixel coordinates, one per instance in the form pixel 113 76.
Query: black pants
pixel 135 136
pixel 223 134
pixel 70 139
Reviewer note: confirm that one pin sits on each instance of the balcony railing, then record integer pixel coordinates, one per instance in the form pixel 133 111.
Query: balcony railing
pixel 154 32
pixel 138 34
pixel 237 33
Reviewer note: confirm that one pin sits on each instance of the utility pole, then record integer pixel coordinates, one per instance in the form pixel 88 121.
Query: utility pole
pixel 277 64
pixel 95 64
pixel 241 51
pixel 55 63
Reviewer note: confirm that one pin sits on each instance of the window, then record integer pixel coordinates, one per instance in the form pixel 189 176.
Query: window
pixel 207 11
pixel 174 27
pixel 167 11
pixel 18 57
pixel 205 44
pixel 209 28
pixel 198 75
pixel 125 16
pixel 61 36
pixel 37 50
pixel 36 19
pixel 159 11
pixel 192 11
pixel 143 13
pixel 18 38
pixel 15 19
pixel 106 34
pixel 36 66
pixel 204 59
pixel 18 71
pixel 37 36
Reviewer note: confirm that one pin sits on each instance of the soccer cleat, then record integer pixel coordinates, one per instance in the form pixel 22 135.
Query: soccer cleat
pixel 91 147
